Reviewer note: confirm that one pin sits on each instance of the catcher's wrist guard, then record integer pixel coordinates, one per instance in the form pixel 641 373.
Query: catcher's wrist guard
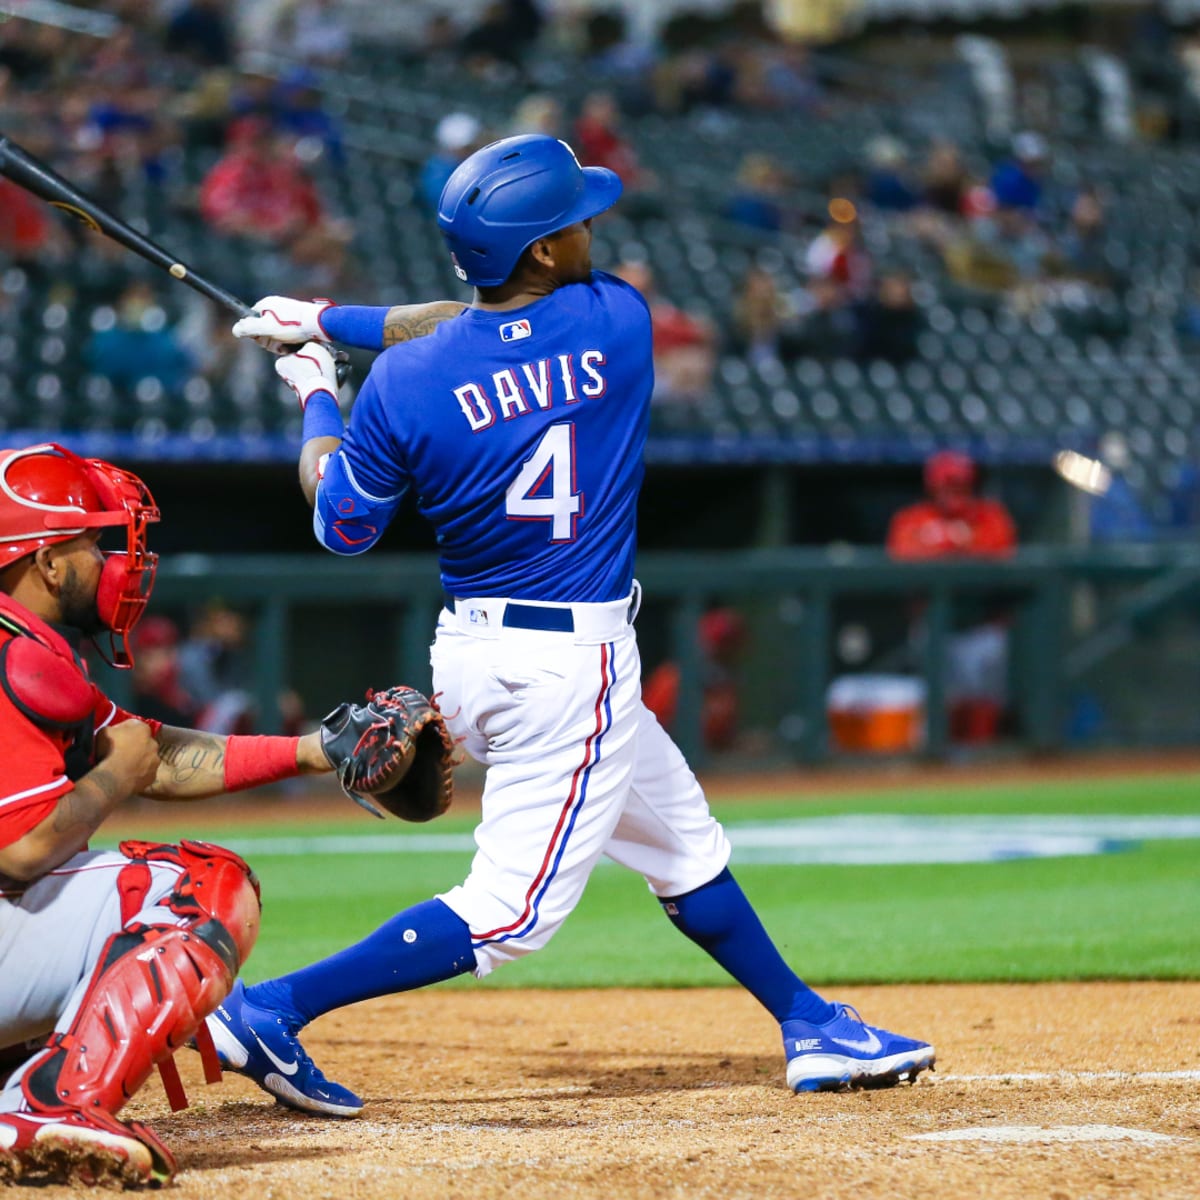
pixel 395 751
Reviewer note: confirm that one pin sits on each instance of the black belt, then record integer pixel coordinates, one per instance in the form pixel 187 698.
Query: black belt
pixel 532 616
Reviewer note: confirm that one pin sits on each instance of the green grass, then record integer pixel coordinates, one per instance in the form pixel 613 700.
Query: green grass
pixel 1134 914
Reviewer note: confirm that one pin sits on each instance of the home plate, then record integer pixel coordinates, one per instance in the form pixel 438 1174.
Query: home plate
pixel 1036 1133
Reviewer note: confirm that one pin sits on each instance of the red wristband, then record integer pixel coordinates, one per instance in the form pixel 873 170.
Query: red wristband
pixel 253 761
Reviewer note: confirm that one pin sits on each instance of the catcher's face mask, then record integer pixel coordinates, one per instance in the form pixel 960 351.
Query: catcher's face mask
pixel 48 494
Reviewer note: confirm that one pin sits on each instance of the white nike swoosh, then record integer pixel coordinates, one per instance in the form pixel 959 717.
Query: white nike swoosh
pixel 869 1046
pixel 287 1068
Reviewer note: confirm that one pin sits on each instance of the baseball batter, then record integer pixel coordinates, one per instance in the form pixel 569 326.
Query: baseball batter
pixel 118 957
pixel 519 424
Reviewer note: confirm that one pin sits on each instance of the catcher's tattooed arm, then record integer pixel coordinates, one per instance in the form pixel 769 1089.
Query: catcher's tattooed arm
pixel 126 766
pixel 407 321
pixel 191 764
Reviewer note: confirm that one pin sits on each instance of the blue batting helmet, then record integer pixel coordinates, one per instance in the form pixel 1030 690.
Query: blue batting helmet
pixel 502 198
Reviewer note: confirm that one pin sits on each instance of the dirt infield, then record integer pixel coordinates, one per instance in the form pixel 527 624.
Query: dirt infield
pixel 1073 1091
pixel 492 1094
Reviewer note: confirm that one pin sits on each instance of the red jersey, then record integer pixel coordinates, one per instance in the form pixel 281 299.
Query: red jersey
pixel 23 224
pixel 981 529
pixel 275 199
pixel 41 763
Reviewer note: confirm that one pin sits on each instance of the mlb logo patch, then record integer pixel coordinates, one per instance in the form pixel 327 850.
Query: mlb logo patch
pixel 514 331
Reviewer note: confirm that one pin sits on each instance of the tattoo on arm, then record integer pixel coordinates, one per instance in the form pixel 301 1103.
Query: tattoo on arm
pixel 407 321
pixel 87 804
pixel 193 764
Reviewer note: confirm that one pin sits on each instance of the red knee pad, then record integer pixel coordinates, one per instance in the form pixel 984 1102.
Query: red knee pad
pixel 215 883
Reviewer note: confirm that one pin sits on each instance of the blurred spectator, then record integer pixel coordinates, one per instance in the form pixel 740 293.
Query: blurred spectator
pixel 297 109
pixel 1017 182
pixel 253 98
pixel 157 693
pixel 457 135
pixel 125 128
pixel 319 33
pixel 200 33
pixel 258 189
pixel 506 30
pixel 954 522
pixel 787 79
pixel 722 636
pixel 837 254
pixel 1117 515
pixel 827 326
pixel 612 55
pixel 1003 252
pixel 890 321
pixel 439 40
pixel 539 112
pixel 213 670
pixel 764 324
pixel 945 181
pixel 1189 316
pixel 757 200
pixel 319 260
pixel 685 345
pixel 135 342
pixel 599 141
pixel 1183 500
pixel 1082 251
pixel 887 186
pixel 26 230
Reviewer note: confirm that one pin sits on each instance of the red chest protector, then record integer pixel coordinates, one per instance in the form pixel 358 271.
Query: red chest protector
pixel 45 680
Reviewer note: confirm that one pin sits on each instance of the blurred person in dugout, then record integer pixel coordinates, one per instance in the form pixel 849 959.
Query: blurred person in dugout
pixel 214 670
pixel 215 665
pixel 157 690
pixel 721 633
pixel 955 522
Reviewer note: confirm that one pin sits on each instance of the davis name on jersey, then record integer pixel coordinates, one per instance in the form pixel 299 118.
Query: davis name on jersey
pixel 543 504
pixel 513 389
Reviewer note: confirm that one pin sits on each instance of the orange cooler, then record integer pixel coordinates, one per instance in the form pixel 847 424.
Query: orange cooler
pixel 876 714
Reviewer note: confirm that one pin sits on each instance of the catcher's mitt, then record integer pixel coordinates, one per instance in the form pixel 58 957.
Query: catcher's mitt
pixel 396 750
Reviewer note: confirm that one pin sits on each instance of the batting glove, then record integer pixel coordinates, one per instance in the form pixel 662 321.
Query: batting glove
pixel 310 369
pixel 279 319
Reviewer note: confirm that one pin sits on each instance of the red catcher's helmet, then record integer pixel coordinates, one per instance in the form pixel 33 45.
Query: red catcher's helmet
pixel 48 494
pixel 949 469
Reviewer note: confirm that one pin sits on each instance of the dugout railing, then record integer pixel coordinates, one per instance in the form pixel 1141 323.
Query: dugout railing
pixel 1055 640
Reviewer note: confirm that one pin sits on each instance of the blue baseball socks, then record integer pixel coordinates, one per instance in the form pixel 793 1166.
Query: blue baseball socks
pixel 424 944
pixel 720 920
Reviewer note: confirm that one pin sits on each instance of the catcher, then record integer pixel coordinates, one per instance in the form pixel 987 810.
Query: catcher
pixel 117 956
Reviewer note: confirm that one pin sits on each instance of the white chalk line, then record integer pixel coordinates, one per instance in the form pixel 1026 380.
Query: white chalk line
pixel 849 839
pixel 1043 1135
pixel 1061 1076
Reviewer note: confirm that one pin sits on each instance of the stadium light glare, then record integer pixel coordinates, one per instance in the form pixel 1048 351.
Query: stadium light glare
pixel 1088 474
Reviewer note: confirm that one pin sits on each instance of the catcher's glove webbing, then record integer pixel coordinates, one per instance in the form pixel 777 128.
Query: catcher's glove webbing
pixel 396 750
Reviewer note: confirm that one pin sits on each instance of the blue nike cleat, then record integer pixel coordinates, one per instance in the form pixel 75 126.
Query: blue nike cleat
pixel 256 1043
pixel 848 1053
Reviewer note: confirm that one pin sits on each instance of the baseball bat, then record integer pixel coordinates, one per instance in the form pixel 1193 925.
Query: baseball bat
pixel 30 173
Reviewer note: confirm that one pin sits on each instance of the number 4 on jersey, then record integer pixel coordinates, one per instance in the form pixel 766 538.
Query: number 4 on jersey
pixel 552 461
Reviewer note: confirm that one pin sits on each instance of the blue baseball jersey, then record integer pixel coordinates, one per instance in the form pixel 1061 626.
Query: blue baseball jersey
pixel 521 434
